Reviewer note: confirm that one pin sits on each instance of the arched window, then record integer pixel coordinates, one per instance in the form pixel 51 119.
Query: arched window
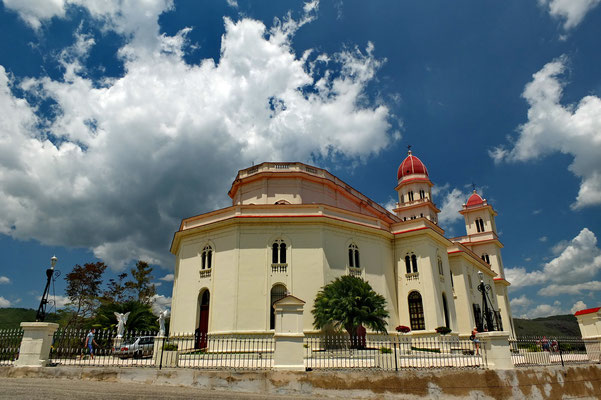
pixel 440 269
pixel 410 195
pixel 353 256
pixel 207 257
pixel 278 252
pixel 402 199
pixel 422 194
pixel 414 262
pixel 408 263
pixel 278 292
pixel 479 225
pixel 279 202
pixel 486 258
pixel 416 311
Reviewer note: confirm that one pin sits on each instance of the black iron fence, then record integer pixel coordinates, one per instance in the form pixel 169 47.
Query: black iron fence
pixel 391 353
pixel 72 347
pixel 10 341
pixel 536 350
pixel 145 349
pixel 217 351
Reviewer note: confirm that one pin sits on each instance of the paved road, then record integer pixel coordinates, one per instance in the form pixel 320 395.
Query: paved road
pixel 62 389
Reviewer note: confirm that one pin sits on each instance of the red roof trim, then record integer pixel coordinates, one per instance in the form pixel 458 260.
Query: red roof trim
pixel 412 230
pixel 588 311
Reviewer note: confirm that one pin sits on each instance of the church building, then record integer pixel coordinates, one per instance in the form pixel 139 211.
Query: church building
pixel 292 228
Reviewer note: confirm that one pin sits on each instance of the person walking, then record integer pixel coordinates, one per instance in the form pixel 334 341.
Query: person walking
pixel 90 343
pixel 475 339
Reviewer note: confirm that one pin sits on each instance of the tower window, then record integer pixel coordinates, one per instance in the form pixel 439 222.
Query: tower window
pixel 353 256
pixel 414 262
pixel 479 225
pixel 402 199
pixel 408 263
pixel 485 258
pixel 440 269
pixel 410 195
pixel 278 252
pixel 422 194
pixel 207 257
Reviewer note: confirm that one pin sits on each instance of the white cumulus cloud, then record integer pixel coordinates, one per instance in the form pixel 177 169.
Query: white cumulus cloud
pixel 167 278
pixel 452 202
pixel 4 279
pixel 132 155
pixel 571 11
pixel 579 305
pixel 568 273
pixel 573 129
pixel 4 303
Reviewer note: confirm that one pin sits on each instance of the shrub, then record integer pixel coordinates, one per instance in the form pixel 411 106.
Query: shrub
pixel 443 330
pixel 170 347
pixel 385 350
pixel 403 329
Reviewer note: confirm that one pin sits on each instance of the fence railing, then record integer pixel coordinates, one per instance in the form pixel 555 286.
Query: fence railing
pixel 218 351
pixel 145 349
pixel 135 348
pixel 391 353
pixel 10 341
pixel 534 350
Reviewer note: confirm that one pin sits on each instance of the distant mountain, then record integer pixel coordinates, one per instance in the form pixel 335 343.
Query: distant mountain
pixel 11 318
pixel 556 325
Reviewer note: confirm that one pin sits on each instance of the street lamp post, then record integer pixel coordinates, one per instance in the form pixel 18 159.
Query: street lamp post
pixel 41 314
pixel 487 322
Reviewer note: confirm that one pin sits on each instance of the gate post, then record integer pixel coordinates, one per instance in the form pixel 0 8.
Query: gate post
pixel 35 345
pixel 496 349
pixel 288 336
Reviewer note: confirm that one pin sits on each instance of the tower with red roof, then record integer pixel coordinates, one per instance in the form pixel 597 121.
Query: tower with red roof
pixel 414 189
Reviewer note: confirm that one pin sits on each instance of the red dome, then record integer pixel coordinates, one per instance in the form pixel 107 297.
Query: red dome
pixel 474 200
pixel 411 165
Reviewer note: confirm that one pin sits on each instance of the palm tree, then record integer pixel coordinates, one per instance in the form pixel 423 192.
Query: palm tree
pixel 348 302
pixel 140 318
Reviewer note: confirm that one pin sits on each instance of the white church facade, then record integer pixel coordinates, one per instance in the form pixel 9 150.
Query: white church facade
pixel 292 228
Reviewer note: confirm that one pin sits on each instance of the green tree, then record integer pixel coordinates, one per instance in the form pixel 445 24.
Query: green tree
pixel 83 289
pixel 348 302
pixel 140 317
pixel 140 285
pixel 116 291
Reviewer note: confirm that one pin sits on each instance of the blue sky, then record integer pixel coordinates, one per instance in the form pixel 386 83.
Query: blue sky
pixel 120 118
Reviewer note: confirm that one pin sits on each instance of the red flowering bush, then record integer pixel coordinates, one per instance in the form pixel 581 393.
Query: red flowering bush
pixel 402 329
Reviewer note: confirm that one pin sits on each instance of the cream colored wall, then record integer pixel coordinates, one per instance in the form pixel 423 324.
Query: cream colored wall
pixel 375 259
pixel 428 285
pixel 294 191
pixel 465 296
pixel 504 308
pixel 590 324
pixel 487 218
pixel 242 278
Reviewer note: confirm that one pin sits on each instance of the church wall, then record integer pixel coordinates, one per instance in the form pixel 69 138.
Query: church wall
pixel 221 284
pixel 427 284
pixel 466 296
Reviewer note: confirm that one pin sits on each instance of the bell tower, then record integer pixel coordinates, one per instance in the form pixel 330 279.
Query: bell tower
pixel 414 189
pixel 483 240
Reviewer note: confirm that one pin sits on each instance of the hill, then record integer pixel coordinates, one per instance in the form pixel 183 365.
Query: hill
pixel 11 318
pixel 556 325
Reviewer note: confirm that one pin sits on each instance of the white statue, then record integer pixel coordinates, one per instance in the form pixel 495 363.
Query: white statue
pixel 121 321
pixel 162 317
